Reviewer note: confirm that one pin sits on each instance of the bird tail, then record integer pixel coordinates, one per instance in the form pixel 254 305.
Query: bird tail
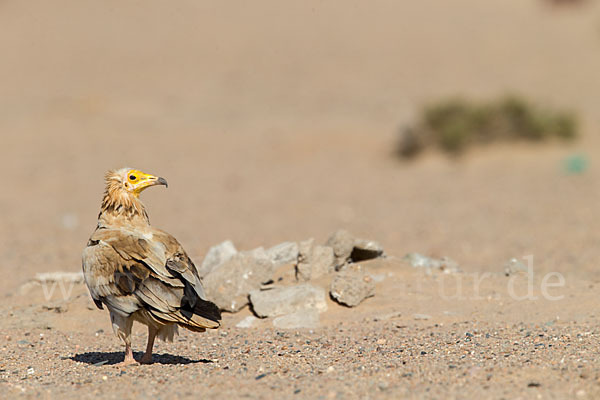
pixel 194 313
pixel 205 315
pixel 195 308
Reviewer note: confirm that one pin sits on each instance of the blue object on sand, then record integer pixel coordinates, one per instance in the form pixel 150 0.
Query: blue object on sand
pixel 576 164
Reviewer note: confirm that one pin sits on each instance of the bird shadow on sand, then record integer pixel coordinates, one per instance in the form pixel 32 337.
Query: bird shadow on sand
pixel 98 358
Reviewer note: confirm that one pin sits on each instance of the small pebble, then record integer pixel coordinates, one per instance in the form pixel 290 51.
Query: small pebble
pixel 420 317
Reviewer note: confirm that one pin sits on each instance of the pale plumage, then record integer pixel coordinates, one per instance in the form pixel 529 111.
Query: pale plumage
pixel 141 273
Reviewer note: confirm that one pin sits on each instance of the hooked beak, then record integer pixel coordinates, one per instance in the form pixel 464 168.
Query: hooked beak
pixel 162 181
pixel 147 181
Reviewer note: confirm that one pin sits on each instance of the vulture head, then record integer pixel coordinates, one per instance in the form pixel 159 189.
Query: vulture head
pixel 123 188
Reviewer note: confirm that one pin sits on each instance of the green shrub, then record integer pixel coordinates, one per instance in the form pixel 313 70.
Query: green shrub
pixel 455 124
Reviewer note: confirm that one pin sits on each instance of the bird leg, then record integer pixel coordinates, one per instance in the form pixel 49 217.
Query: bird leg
pixel 147 357
pixel 129 360
pixel 122 327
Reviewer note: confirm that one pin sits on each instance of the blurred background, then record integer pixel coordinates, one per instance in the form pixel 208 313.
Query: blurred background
pixel 277 121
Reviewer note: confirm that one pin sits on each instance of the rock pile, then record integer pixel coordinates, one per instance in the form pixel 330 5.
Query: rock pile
pixel 235 279
pixel 229 284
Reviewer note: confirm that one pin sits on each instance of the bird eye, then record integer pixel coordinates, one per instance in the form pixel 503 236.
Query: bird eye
pixel 132 177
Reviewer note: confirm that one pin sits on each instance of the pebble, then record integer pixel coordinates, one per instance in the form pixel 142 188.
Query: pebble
pixel 444 264
pixel 247 322
pixel 385 317
pixel 514 266
pixel 420 317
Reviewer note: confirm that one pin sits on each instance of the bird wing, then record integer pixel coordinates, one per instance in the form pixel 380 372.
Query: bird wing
pixel 105 274
pixel 179 262
pixel 123 266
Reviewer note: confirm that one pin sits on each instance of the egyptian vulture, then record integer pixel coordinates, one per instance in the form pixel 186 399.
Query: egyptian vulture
pixel 139 272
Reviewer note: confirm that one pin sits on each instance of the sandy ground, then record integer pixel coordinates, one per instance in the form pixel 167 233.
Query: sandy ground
pixel 277 122
pixel 421 336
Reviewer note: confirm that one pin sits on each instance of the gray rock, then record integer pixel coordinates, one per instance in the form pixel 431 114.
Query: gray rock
pixel 342 243
pixel 229 284
pixel 385 317
pixel 259 253
pixel 305 250
pixel 247 322
pixel 314 262
pixel 287 300
pixel 303 267
pixel 448 265
pixel 419 261
pixel 444 264
pixel 49 277
pixel 65 280
pixel 308 319
pixel 365 250
pixel 303 272
pixel 216 256
pixel 514 266
pixel 421 317
pixel 351 286
pixel 378 278
pixel 347 248
pixel 283 253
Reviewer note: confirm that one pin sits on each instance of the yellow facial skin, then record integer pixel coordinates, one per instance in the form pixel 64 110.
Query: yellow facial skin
pixel 136 181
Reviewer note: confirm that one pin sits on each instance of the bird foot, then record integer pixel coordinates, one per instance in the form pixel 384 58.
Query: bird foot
pixel 128 360
pixel 126 363
pixel 146 359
